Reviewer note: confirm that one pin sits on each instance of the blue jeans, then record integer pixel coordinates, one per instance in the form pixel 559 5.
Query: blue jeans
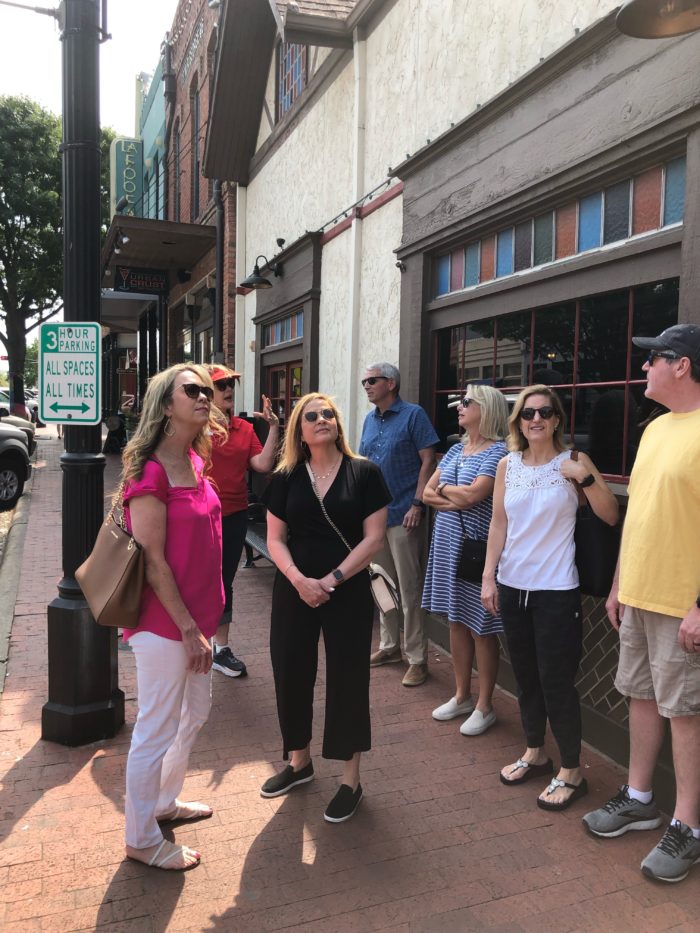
pixel 544 631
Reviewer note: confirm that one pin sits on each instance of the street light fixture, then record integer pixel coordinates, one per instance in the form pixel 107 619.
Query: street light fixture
pixel 658 19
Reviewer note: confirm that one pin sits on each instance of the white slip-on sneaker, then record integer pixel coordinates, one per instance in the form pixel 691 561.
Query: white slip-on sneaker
pixel 477 723
pixel 452 709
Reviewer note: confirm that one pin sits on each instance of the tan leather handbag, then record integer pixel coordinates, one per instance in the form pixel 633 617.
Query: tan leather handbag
pixel 112 577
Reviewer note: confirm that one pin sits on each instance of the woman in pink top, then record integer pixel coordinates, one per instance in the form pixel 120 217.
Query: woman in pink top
pixel 175 516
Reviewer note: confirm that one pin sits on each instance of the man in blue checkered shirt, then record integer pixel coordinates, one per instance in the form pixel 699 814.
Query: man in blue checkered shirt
pixel 400 439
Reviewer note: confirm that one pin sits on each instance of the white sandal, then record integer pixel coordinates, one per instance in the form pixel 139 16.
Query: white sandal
pixel 159 861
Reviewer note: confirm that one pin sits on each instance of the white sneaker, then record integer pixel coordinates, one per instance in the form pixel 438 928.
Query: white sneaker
pixel 452 709
pixel 477 723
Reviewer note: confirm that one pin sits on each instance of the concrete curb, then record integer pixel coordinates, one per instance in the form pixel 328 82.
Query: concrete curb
pixel 11 569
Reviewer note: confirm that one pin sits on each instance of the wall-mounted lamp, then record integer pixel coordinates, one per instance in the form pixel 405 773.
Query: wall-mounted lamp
pixel 159 141
pixel 658 19
pixel 401 265
pixel 121 204
pixel 256 280
pixel 148 162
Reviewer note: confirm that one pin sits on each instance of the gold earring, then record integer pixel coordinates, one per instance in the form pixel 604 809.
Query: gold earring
pixel 169 425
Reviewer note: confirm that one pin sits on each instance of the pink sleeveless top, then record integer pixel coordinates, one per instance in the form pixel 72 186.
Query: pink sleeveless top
pixel 192 550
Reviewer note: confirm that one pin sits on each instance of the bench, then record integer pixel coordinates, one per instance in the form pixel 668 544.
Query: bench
pixel 256 540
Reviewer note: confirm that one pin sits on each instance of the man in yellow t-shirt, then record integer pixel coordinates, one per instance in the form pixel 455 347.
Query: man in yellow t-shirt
pixel 655 605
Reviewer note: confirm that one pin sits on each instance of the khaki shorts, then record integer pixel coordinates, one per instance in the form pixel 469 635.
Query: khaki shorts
pixel 653 666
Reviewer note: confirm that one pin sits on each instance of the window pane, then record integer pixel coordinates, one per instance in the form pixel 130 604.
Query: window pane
pixel 445 422
pixel 589 210
pixel 602 348
pixel 449 348
pixel 674 195
pixel 471 272
pixel 544 238
pixel 488 249
pixel 478 352
pixel 554 345
pixel 523 246
pixel 643 410
pixel 566 231
pixel 443 275
pixel 504 252
pixel 646 210
pixel 600 426
pixel 655 309
pixel 513 348
pixel 457 270
pixel 617 213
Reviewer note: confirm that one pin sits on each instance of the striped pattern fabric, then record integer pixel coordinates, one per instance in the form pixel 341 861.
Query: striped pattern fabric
pixel 443 593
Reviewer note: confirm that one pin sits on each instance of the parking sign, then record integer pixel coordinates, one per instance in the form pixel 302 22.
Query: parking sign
pixel 69 373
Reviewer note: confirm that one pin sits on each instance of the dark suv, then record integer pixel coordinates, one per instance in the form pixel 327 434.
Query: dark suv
pixel 15 468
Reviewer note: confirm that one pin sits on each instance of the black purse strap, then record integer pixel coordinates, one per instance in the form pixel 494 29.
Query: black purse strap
pixel 459 512
pixel 325 513
pixel 582 500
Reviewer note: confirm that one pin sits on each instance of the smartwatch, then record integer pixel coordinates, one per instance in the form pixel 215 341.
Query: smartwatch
pixel 588 481
pixel 338 574
pixel 419 504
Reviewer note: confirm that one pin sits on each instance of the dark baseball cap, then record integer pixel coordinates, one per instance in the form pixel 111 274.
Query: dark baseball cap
pixel 683 339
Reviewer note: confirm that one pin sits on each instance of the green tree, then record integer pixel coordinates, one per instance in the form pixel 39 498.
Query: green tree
pixel 31 246
pixel 31 363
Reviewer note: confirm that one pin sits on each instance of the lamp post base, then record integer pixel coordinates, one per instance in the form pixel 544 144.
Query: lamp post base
pixel 85 703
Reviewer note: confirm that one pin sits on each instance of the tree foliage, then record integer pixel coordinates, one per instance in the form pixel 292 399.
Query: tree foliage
pixel 31 247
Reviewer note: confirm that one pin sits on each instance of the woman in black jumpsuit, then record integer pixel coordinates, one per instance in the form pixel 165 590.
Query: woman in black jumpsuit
pixel 321 586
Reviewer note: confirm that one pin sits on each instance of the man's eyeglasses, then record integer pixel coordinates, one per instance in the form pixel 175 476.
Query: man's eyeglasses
pixel 326 413
pixel 194 390
pixel 546 412
pixel 370 380
pixel 223 384
pixel 666 354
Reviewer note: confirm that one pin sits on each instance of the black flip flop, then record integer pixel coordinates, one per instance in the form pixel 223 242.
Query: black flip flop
pixel 579 790
pixel 529 771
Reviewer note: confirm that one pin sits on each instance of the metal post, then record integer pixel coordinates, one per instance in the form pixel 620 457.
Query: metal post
pixel 85 702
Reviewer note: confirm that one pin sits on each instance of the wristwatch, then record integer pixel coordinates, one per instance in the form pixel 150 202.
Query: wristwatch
pixel 419 504
pixel 338 574
pixel 588 481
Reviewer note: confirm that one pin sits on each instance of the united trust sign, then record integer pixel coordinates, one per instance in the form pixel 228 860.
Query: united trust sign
pixel 126 175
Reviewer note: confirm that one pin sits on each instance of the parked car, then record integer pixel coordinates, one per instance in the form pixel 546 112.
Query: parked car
pixel 26 426
pixel 15 468
pixel 31 404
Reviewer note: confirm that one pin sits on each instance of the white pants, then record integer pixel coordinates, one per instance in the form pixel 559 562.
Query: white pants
pixel 173 706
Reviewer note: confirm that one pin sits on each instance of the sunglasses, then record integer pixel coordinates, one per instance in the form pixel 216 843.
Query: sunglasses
pixel 466 401
pixel 370 380
pixel 193 390
pixel 326 413
pixel 666 354
pixel 223 384
pixel 546 412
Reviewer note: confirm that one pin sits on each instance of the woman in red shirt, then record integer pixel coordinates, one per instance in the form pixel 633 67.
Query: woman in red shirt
pixel 230 462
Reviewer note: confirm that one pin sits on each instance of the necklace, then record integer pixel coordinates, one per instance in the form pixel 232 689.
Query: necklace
pixel 317 476
pixel 475 449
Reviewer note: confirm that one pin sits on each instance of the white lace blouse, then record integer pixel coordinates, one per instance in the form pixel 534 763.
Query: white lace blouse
pixel 540 506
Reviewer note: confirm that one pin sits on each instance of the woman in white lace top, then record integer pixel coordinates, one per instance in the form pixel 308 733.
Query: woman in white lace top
pixel 536 591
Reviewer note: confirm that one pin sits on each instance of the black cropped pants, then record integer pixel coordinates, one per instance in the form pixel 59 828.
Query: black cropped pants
pixel 544 631
pixel 346 623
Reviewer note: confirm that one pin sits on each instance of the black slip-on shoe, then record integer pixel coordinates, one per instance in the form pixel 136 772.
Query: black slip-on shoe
pixel 283 782
pixel 344 804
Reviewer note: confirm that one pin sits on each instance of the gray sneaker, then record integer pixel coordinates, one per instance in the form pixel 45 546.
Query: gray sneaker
pixel 620 814
pixel 674 856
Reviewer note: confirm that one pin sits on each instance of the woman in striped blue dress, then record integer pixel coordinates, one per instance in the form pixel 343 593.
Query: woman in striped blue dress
pixel 461 492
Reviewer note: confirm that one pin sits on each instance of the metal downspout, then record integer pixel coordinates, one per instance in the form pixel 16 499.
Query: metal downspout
pixel 360 65
pixel 247 391
pixel 219 305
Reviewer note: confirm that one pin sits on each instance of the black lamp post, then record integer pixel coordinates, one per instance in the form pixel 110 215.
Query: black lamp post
pixel 85 702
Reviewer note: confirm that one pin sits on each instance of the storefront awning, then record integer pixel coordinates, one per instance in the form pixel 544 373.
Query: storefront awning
pixel 120 311
pixel 157 245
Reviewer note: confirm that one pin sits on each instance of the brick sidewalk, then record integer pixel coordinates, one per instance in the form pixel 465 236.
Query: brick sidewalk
pixel 437 845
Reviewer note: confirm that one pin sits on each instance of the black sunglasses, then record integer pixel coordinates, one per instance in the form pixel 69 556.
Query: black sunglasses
pixel 327 413
pixel 370 380
pixel 666 354
pixel 466 401
pixel 223 384
pixel 194 390
pixel 546 412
